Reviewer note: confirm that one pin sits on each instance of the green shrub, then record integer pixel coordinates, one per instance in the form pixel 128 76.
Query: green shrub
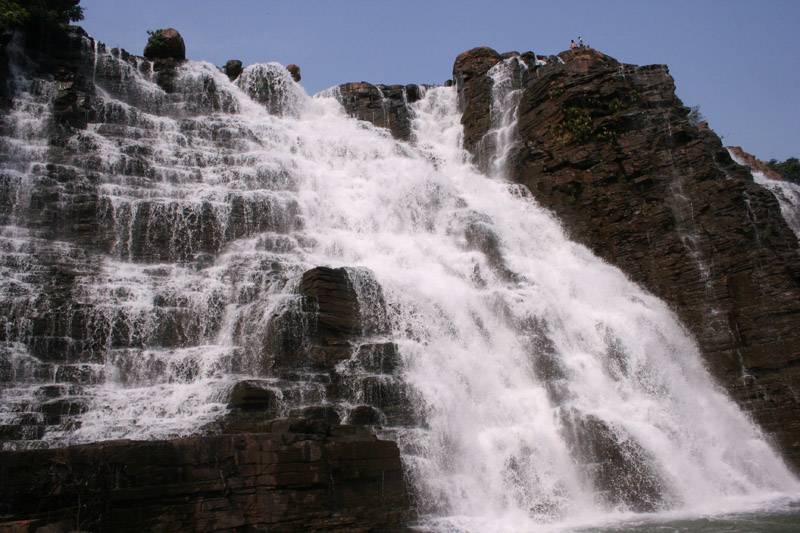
pixel 41 13
pixel 12 15
pixel 578 123
pixel 789 169
pixel 695 116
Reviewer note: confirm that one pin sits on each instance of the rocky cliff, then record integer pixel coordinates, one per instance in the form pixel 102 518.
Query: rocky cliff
pixel 609 148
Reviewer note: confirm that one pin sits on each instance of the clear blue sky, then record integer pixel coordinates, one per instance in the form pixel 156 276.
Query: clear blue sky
pixel 739 60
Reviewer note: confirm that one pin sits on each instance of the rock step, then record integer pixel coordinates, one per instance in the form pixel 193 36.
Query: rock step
pixel 212 483
pixel 28 414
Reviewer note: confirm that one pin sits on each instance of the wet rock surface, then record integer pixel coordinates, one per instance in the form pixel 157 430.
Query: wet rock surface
pixel 609 148
pixel 326 357
pixel 68 315
pixel 385 106
pixel 294 475
pixel 618 467
pixel 232 69
pixel 474 92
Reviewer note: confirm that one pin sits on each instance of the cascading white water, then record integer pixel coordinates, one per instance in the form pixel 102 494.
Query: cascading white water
pixel 506 93
pixel 787 193
pixel 524 354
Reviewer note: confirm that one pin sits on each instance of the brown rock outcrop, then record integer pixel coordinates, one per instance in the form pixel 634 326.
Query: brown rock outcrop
pixel 327 355
pixel 294 70
pixel 165 44
pixel 294 476
pixel 753 162
pixel 475 92
pixel 608 147
pixel 385 106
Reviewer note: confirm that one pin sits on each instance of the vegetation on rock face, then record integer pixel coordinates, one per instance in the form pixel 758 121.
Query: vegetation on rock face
pixel 579 120
pixel 157 38
pixel 165 43
pixel 12 15
pixel 695 116
pixel 43 13
pixel 789 169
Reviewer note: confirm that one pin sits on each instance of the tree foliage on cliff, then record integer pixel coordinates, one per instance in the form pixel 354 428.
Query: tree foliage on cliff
pixel 41 13
pixel 695 116
pixel 789 169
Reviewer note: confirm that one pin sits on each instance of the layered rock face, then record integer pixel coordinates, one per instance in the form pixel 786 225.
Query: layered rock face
pixel 326 351
pixel 74 213
pixel 109 231
pixel 296 475
pixel 385 106
pixel 474 92
pixel 609 148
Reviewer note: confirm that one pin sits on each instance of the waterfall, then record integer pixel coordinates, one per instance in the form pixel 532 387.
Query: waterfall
pixel 786 192
pixel 528 383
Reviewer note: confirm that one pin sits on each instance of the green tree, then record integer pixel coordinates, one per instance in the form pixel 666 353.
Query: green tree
pixel 695 116
pixel 41 13
pixel 789 169
pixel 12 15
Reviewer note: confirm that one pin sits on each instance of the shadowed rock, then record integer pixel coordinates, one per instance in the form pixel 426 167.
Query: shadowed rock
pixel 232 69
pixel 165 44
pixel 621 471
pixel 474 92
pixel 385 106
pixel 298 475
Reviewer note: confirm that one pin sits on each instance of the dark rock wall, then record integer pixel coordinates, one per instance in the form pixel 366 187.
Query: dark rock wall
pixel 295 475
pixel 330 351
pixel 608 147
pixel 385 106
pixel 474 93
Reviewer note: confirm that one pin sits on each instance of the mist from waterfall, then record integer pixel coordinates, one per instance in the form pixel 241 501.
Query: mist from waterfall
pixel 550 390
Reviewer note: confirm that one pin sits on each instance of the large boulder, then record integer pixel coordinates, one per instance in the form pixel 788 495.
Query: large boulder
pixel 618 467
pixel 165 44
pixel 294 70
pixel 232 69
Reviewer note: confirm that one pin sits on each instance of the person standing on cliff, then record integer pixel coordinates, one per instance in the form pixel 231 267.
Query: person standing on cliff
pixel 580 42
pixel 572 44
